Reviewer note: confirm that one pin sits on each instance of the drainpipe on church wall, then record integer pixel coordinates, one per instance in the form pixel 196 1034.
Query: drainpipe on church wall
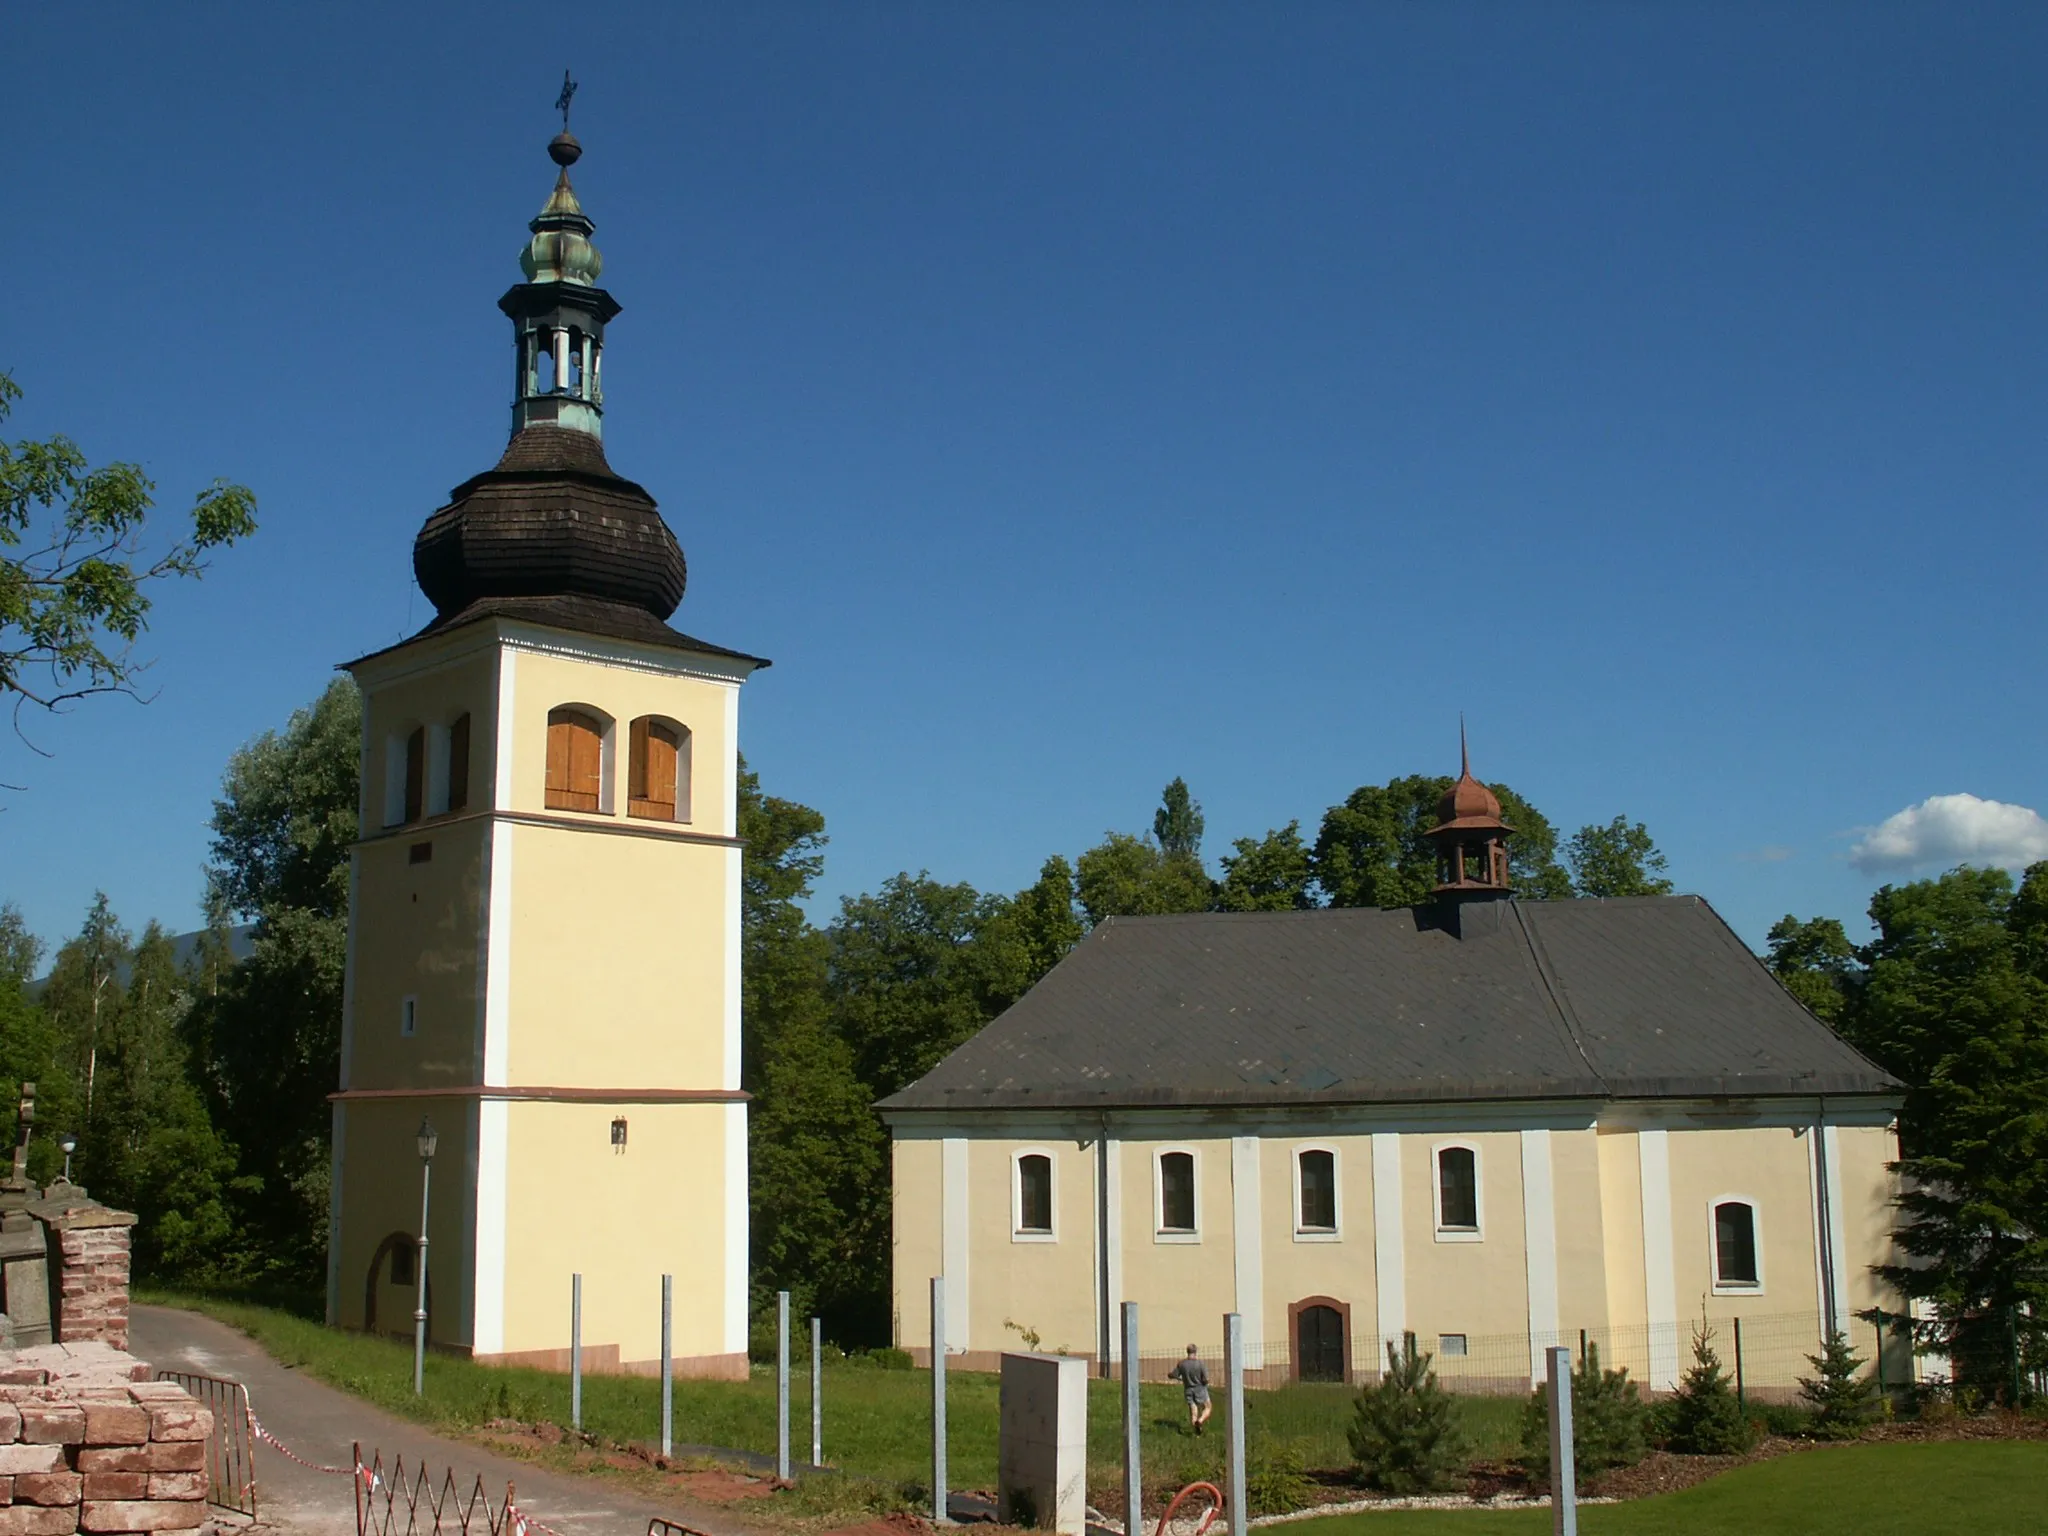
pixel 1102 1300
pixel 1830 1323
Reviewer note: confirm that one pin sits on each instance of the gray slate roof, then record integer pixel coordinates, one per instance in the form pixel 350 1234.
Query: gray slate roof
pixel 1642 998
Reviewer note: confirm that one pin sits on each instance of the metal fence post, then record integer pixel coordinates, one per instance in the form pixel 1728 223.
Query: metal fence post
pixel 817 1392
pixel 1233 1367
pixel 1134 1475
pixel 782 1385
pixel 576 1351
pixel 1741 1402
pixel 939 1401
pixel 1564 1484
pixel 668 1366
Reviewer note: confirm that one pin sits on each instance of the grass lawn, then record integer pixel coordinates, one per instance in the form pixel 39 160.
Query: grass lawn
pixel 1952 1488
pixel 876 1421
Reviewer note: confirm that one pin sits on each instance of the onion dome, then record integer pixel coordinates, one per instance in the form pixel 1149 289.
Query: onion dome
pixel 1471 839
pixel 550 532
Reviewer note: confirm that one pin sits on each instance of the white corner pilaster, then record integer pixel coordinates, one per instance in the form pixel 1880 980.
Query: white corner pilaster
pixel 1539 1247
pixel 736 1233
pixel 953 1210
pixel 1660 1284
pixel 1246 1232
pixel 1389 1253
pixel 493 1135
pixel 1112 1237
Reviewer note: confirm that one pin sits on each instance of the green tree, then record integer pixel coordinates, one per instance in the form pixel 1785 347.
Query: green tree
pixel 20 951
pixel 1407 1433
pixel 1269 874
pixel 1619 859
pixel 85 995
pixel 1610 1423
pixel 28 1037
pixel 1705 1419
pixel 74 580
pixel 1842 1402
pixel 1954 1001
pixel 906 984
pixel 1177 824
pixel 1815 962
pixel 1373 851
pixel 266 1045
pixel 1125 876
pixel 1028 934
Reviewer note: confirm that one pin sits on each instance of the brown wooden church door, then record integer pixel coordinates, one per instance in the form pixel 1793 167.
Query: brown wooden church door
pixel 1319 1344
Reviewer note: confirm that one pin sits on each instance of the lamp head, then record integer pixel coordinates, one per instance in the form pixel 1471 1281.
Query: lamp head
pixel 67 1143
pixel 428 1141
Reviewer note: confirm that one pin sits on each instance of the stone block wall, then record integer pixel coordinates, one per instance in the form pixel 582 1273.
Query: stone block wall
pixel 104 1459
pixel 92 1243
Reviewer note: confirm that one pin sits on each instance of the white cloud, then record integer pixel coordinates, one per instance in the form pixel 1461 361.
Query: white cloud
pixel 1945 830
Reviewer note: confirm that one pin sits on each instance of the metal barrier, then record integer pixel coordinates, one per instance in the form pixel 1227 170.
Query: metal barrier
pixel 660 1527
pixel 230 1449
pixel 401 1503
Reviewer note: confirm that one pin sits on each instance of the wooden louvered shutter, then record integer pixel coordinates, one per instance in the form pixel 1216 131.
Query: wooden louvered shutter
pixel 575 761
pixel 458 764
pixel 652 792
pixel 415 774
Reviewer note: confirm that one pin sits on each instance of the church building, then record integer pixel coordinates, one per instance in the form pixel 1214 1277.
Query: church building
pixel 1497 1124
pixel 544 914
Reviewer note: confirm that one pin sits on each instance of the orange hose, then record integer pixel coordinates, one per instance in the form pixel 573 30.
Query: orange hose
pixel 1208 1517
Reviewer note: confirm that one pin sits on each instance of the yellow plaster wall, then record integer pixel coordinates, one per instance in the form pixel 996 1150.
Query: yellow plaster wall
pixel 417 933
pixel 1465 1287
pixel 1766 1165
pixel 1868 1215
pixel 381 1196
pixel 621 693
pixel 1046 1287
pixel 452 678
pixel 619 1219
pixel 618 960
pixel 915 1252
pixel 1183 1288
pixel 1621 1223
pixel 1298 1265
pixel 1582 1241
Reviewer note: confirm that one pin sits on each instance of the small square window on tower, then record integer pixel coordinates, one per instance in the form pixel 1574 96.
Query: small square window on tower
pixel 619 1134
pixel 409 1017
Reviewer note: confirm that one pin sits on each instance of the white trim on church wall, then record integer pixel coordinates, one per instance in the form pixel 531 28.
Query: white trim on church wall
pixel 1838 1242
pixel 1660 1281
pixel 1390 1262
pixel 1112 1259
pixel 733 961
pixel 953 1238
pixel 493 1137
pixel 495 1046
pixel 1247 1229
pixel 736 1234
pixel 505 734
pixel 1539 1247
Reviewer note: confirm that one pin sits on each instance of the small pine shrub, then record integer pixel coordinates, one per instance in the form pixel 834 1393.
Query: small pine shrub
pixel 1610 1423
pixel 1841 1400
pixel 1275 1480
pixel 1704 1417
pixel 1406 1430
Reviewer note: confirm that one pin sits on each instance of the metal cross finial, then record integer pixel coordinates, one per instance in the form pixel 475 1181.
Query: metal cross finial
pixel 562 101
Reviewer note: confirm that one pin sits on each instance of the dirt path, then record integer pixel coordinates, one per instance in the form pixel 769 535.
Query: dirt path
pixel 322 1425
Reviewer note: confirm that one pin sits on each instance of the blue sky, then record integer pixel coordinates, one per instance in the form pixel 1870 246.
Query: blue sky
pixel 1071 396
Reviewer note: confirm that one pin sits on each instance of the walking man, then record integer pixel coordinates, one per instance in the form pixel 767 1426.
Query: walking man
pixel 1194 1379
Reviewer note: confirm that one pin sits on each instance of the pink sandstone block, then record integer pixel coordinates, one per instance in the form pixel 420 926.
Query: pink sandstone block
pixel 177 1485
pixel 48 1488
pixel 10 1423
pixel 116 1423
pixel 16 1459
pixel 35 1520
pixel 52 1423
pixel 167 1456
pixel 122 1485
pixel 176 1421
pixel 138 1515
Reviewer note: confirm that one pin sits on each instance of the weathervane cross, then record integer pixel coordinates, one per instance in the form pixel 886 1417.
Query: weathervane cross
pixel 562 101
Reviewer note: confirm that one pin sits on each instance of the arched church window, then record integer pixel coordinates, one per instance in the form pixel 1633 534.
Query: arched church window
pixel 1457 1176
pixel 575 761
pixel 658 770
pixel 1735 1255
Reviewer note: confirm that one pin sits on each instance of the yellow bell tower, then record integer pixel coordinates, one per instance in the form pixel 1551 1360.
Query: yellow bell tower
pixel 544 921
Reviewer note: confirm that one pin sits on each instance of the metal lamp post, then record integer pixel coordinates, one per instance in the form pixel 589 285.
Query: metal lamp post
pixel 67 1144
pixel 428 1141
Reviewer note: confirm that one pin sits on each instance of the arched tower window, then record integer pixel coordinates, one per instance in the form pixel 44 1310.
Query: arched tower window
pixel 658 770
pixel 575 761
pixel 415 774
